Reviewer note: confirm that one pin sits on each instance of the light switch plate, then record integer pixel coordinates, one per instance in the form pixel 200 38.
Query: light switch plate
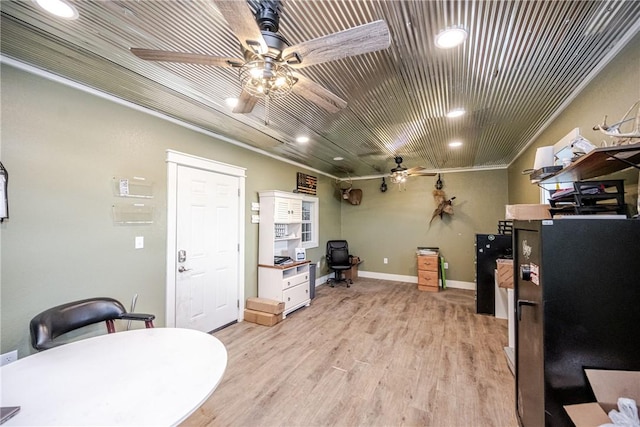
pixel 139 242
pixel 255 206
pixel 255 219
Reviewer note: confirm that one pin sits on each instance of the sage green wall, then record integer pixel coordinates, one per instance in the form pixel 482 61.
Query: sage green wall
pixel 611 93
pixel 62 147
pixel 393 224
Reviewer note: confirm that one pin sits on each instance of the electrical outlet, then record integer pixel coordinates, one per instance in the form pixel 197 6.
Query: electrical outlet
pixel 446 265
pixel 9 357
pixel 385 260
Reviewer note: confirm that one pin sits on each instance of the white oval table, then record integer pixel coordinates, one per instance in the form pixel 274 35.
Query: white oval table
pixel 141 377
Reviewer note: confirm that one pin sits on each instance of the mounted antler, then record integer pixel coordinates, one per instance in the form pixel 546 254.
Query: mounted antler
pixel 350 194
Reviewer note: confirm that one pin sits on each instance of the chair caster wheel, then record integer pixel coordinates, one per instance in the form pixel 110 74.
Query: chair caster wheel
pixel 331 285
pixel 348 285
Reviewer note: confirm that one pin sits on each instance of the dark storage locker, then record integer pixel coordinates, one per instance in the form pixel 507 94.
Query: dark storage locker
pixel 577 302
pixel 489 247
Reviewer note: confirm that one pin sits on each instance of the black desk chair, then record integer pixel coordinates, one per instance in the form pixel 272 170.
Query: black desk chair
pixel 56 321
pixel 338 260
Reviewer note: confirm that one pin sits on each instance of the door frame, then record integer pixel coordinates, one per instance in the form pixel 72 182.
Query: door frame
pixel 175 159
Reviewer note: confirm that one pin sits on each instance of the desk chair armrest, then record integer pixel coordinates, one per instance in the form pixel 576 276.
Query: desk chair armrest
pixel 146 318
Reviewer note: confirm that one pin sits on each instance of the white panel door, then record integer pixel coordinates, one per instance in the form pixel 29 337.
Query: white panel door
pixel 207 242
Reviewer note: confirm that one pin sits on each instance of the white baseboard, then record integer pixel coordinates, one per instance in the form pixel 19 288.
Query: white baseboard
pixel 455 284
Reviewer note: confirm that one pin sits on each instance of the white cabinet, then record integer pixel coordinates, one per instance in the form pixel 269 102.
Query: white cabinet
pixel 286 210
pixel 289 283
pixel 280 225
pixel 280 234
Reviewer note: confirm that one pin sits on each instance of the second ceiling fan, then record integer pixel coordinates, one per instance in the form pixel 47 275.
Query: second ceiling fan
pixel 268 67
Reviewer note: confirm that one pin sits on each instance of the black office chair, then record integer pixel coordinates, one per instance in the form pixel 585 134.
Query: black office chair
pixel 59 320
pixel 338 260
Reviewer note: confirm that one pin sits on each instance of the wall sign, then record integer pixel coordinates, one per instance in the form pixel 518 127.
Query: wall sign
pixel 306 184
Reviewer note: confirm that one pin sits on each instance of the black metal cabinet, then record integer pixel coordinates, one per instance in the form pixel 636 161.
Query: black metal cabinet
pixel 577 302
pixel 489 247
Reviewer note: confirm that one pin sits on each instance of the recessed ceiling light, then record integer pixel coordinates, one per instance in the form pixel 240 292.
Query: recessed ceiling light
pixel 451 37
pixel 455 144
pixel 337 159
pixel 302 139
pixel 231 102
pixel 59 8
pixel 456 112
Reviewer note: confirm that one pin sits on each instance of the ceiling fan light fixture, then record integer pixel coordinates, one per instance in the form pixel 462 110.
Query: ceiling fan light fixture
pixel 456 112
pixel 455 144
pixel 231 102
pixel 302 139
pixel 266 78
pixel 60 8
pixel 256 72
pixel 451 37
pixel 399 177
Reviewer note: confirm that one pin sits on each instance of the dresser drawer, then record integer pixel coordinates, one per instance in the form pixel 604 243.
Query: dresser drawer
pixel 427 278
pixel 292 281
pixel 428 262
pixel 295 296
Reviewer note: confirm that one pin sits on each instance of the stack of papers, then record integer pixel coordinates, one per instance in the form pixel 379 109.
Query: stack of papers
pixel 426 252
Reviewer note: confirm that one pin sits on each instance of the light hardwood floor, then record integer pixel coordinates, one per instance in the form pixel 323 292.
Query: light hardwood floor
pixel 379 353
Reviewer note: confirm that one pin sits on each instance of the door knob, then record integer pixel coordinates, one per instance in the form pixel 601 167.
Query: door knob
pixel 181 269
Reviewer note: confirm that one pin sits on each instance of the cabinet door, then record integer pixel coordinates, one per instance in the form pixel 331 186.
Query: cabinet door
pixel 287 210
pixel 296 295
pixel 282 211
pixel 295 207
pixel 530 386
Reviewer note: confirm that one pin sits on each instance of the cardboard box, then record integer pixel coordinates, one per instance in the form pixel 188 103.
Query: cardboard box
pixel 262 318
pixel 608 386
pixel 352 273
pixel 265 305
pixel 527 212
pixel 505 273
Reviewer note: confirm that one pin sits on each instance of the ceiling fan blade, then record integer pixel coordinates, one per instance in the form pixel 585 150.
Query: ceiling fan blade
pixel 187 58
pixel 420 171
pixel 246 102
pixel 318 95
pixel 243 24
pixel 354 41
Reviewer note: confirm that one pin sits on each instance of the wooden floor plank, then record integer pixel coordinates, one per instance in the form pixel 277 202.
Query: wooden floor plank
pixel 380 353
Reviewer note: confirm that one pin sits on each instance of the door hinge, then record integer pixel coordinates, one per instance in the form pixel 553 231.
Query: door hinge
pixel 238 192
pixel 238 301
pixel 238 247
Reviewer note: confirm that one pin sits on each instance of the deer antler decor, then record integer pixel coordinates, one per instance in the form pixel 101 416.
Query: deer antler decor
pixel 348 193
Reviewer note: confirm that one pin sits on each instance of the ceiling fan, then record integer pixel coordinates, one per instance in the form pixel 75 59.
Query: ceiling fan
pixel 267 69
pixel 399 173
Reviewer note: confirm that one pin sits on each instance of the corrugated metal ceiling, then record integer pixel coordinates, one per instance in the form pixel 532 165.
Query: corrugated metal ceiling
pixel 522 59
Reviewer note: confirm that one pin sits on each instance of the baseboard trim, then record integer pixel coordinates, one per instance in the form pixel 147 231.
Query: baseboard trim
pixel 454 284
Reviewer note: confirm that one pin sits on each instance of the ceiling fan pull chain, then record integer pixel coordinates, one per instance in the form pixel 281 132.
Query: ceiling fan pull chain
pixel 266 110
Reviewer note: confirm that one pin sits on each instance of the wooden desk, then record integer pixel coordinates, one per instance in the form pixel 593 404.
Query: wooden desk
pixel 141 377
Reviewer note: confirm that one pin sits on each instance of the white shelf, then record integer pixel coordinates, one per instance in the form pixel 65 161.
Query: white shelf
pixel 280 234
